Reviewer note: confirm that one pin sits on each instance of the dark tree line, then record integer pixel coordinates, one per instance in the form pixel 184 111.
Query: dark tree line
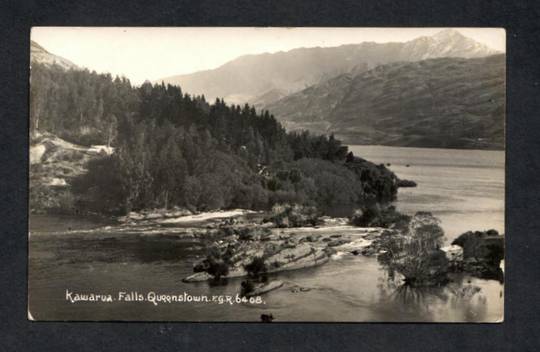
pixel 173 149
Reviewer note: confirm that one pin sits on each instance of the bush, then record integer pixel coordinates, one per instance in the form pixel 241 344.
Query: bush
pixel 378 216
pixel 244 234
pixel 217 262
pixel 366 217
pixel 257 268
pixel 217 268
pixel 286 215
pixel 100 189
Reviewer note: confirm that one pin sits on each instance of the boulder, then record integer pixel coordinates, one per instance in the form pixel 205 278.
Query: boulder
pixel 36 153
pixel 319 257
pixel 454 253
pixel 337 242
pixel 198 277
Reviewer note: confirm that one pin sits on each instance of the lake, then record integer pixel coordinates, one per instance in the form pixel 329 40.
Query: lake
pixel 465 189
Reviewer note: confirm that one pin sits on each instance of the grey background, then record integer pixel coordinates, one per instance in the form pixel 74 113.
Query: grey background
pixel 519 332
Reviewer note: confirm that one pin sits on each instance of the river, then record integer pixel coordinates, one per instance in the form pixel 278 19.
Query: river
pixel 465 189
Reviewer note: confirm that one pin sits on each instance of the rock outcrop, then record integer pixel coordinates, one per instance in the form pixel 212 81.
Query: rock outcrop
pixel 482 253
pixel 282 249
pixel 54 162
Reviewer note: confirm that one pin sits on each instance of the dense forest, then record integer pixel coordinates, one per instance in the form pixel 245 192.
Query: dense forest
pixel 173 149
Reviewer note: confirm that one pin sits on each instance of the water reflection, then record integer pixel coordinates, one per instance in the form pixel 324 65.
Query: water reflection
pixel 462 299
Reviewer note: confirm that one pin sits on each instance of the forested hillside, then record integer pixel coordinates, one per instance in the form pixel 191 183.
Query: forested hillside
pixel 173 149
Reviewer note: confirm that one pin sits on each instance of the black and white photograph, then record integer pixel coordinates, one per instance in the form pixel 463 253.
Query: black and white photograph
pixel 267 174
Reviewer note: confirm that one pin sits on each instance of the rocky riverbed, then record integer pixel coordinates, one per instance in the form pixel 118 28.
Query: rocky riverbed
pixel 235 238
pixel 286 249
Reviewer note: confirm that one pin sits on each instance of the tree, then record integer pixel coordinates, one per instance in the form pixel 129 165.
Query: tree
pixel 217 268
pixel 170 171
pixel 256 269
pixel 111 194
pixel 192 192
pixel 112 128
pixel 415 253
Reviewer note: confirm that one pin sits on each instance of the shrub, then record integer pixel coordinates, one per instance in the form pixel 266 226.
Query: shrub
pixel 245 234
pixel 286 215
pixel 366 217
pixel 217 262
pixel 217 268
pixel 101 188
pixel 257 268
pixel 377 216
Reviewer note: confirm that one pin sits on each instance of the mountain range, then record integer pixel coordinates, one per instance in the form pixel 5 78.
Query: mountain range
pixel 444 90
pixel 264 78
pixel 445 102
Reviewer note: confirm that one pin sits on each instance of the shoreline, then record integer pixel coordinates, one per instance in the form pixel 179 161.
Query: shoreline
pixel 502 149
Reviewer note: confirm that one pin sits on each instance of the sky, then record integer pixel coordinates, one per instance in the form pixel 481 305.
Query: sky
pixel 152 53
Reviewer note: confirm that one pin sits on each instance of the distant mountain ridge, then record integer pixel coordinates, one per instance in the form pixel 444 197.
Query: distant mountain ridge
pixel 40 55
pixel 250 77
pixel 445 102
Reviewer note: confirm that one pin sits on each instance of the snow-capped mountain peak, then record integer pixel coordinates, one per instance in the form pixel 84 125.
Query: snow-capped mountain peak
pixel 448 34
pixel 446 43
